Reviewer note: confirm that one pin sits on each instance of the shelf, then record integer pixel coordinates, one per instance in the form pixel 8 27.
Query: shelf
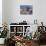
pixel 16 32
pixel 19 25
pixel 19 32
pixel 18 28
pixel 12 32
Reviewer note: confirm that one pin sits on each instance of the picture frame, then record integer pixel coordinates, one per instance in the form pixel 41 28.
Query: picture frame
pixel 26 9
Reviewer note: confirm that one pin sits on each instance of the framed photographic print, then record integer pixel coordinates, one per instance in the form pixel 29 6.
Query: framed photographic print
pixel 26 9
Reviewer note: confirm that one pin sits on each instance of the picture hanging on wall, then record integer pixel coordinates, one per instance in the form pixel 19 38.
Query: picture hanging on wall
pixel 26 9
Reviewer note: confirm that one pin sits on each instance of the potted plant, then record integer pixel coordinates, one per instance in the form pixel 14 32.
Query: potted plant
pixel 3 34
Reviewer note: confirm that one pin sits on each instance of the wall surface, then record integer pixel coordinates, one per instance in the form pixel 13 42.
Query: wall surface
pixel 11 11
pixel 0 13
pixel 16 11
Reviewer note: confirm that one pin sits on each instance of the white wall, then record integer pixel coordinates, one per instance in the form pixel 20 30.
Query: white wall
pixel 0 13
pixel 12 11
pixel 15 13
